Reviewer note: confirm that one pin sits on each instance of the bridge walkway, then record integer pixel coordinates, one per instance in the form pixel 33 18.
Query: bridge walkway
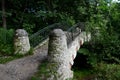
pixel 24 68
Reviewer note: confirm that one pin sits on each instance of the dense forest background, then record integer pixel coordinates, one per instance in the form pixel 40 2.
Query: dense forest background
pixel 101 18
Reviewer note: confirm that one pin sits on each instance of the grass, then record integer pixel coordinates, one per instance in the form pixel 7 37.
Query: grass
pixel 42 70
pixel 7 58
pixel 81 74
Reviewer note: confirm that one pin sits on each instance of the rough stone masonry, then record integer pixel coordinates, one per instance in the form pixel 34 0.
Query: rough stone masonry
pixel 21 42
pixel 61 56
pixel 58 56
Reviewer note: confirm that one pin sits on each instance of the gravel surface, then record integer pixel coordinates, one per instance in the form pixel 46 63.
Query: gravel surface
pixel 24 68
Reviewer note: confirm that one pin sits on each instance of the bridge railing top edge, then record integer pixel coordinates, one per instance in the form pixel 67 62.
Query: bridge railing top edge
pixel 44 33
pixel 74 31
pixel 46 28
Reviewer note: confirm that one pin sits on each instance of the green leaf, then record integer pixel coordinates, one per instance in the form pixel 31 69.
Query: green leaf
pixel 83 51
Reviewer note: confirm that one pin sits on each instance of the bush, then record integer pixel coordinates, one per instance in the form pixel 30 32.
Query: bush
pixel 105 48
pixel 107 71
pixel 6 41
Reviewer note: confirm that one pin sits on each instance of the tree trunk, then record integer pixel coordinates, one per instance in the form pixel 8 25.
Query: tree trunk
pixel 3 14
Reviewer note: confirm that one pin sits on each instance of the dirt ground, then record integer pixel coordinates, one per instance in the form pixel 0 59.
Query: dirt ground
pixel 24 68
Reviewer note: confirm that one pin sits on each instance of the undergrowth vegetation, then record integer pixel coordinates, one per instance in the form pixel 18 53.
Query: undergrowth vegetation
pixel 107 71
pixel 6 41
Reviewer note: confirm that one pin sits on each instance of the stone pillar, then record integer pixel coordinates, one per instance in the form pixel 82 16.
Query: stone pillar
pixel 21 42
pixel 58 56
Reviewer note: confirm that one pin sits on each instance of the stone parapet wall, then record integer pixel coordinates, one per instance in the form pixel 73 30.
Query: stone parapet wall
pixel 76 44
pixel 60 56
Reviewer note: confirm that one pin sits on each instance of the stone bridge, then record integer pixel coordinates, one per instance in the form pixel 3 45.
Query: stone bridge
pixel 62 55
pixel 60 49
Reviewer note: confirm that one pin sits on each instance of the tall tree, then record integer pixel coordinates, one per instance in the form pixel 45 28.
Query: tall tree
pixel 3 14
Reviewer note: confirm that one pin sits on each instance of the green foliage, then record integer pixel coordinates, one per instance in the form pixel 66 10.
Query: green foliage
pixel 105 43
pixel 42 71
pixel 34 15
pixel 81 74
pixel 107 71
pixel 53 16
pixel 91 59
pixel 106 49
pixel 6 41
pixel 114 17
pixel 6 59
pixel 28 27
